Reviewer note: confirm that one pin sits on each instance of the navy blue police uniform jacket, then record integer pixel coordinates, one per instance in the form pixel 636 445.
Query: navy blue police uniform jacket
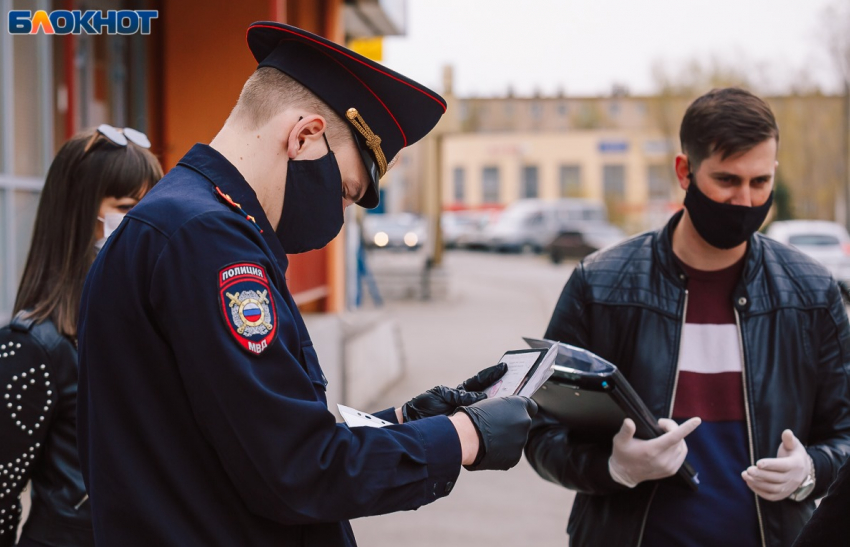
pixel 202 412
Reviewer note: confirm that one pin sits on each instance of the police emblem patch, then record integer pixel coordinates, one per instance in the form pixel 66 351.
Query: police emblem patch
pixel 248 306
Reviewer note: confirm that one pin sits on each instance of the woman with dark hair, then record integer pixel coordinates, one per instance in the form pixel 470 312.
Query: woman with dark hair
pixel 97 176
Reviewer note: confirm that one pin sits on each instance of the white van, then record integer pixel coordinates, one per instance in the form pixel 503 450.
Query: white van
pixel 529 225
pixel 825 241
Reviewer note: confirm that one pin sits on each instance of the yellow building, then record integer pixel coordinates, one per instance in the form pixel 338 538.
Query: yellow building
pixel 618 149
pixel 628 170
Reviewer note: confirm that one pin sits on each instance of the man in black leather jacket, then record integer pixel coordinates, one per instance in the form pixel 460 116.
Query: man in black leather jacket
pixel 778 394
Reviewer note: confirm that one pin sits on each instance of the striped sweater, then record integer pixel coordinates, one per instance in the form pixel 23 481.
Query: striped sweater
pixel 710 385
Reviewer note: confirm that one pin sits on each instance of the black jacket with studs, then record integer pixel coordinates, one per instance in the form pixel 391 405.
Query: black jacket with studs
pixel 38 379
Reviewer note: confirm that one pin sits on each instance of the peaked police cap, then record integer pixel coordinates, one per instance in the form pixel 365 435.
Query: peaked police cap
pixel 385 110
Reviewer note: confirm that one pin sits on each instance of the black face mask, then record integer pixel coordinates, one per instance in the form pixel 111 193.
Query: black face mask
pixel 723 225
pixel 312 207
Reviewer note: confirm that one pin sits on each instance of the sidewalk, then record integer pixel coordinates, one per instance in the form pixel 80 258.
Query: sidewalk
pixel 494 301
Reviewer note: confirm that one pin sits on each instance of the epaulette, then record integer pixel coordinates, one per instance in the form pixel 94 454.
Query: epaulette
pixel 236 207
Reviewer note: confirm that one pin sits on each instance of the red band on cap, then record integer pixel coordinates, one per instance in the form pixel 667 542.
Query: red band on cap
pixel 403 136
pixel 352 58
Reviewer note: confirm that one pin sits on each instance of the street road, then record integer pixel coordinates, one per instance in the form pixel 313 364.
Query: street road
pixel 493 301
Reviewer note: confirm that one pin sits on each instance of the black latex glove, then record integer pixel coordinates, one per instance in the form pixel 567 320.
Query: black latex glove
pixel 502 426
pixel 442 400
pixel 485 378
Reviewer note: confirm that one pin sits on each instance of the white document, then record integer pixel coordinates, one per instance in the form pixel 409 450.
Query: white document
pixel 544 370
pixel 516 380
pixel 356 418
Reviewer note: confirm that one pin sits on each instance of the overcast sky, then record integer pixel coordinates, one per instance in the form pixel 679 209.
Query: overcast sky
pixel 586 46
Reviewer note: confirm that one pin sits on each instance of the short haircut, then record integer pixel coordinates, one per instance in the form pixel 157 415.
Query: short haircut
pixel 269 91
pixel 728 121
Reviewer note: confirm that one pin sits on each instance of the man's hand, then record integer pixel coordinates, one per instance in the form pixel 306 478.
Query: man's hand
pixel 501 427
pixel 777 478
pixel 634 460
pixel 442 400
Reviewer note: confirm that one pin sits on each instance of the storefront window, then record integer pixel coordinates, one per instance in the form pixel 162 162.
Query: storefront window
pixel 26 145
pixel 50 88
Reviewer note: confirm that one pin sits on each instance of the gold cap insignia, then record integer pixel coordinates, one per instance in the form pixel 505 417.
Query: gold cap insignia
pixel 373 141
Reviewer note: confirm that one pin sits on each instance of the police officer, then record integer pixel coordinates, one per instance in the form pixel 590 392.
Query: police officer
pixel 202 410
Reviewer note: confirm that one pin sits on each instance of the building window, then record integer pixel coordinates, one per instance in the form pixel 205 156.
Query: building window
pixel 614 109
pixel 570 181
pixel 530 186
pixel 490 185
pixel 536 110
pixel 458 180
pixel 37 111
pixel 614 181
pixel 27 111
pixel 562 109
pixel 660 182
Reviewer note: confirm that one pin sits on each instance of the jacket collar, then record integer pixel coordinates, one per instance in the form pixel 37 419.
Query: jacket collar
pixel 209 162
pixel 666 258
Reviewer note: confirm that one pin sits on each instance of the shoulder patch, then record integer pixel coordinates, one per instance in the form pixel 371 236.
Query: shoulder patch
pixel 248 306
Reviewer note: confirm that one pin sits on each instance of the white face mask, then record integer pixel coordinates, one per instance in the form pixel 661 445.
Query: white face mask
pixel 110 221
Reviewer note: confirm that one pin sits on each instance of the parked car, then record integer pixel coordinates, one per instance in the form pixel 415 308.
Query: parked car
pixel 478 238
pixel 580 240
pixel 827 242
pixel 462 229
pixel 394 231
pixel 531 224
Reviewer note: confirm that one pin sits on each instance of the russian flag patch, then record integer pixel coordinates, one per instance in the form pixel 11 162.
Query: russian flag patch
pixel 248 306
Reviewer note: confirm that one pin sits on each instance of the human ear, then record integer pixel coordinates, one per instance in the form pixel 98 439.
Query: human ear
pixel 683 169
pixel 305 135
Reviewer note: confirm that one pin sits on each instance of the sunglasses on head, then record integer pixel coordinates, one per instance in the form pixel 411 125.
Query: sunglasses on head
pixel 118 136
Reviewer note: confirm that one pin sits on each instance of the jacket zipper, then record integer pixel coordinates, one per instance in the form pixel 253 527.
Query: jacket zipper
pixel 81 502
pixel 747 413
pixel 669 413
pixel 678 357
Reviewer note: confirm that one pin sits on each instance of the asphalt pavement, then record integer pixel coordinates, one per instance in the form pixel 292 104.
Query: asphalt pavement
pixel 494 300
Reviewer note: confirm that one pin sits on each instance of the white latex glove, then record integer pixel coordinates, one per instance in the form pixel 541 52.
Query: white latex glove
pixel 634 460
pixel 777 478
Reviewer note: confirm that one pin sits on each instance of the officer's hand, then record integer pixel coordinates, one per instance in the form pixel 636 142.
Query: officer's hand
pixel 502 425
pixel 485 378
pixel 442 400
pixel 777 478
pixel 634 460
